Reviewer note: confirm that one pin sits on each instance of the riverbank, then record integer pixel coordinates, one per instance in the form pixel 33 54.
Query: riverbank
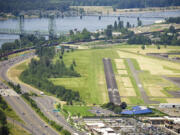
pixel 108 10
pixel 88 10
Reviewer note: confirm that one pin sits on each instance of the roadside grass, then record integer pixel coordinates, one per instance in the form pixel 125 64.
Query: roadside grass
pixel 16 130
pixel 10 112
pixel 78 110
pixel 18 54
pixel 91 85
pixel 15 71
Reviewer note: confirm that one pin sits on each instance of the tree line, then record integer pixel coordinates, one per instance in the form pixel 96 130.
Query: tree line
pixel 25 41
pixel 39 72
pixel 173 20
pixel 115 108
pixel 15 6
pixel 4 130
pixel 126 3
pixel 169 36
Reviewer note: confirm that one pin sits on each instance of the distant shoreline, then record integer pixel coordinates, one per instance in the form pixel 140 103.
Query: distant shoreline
pixel 101 11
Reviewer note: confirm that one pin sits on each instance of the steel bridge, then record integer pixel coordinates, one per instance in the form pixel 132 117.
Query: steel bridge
pixel 21 31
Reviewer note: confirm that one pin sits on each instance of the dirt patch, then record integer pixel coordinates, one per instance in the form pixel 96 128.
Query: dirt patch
pixel 120 64
pixel 125 92
pixel 155 91
pixel 173 100
pixel 126 81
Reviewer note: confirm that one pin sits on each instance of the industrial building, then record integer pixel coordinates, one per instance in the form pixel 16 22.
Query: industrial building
pixel 137 110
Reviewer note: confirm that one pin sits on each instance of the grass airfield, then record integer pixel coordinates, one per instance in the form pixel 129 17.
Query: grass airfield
pixel 92 85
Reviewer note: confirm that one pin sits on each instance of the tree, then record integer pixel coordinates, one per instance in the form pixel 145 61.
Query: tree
pixel 115 26
pixel 158 47
pixel 120 25
pixel 59 106
pixel 143 47
pixel 117 109
pixel 71 32
pixel 62 50
pixel 109 31
pixel 139 22
pixel 172 29
pixel 128 25
pixel 74 62
pixel 86 35
pixel 96 35
pixel 123 105
pixel 72 67
pixel 61 57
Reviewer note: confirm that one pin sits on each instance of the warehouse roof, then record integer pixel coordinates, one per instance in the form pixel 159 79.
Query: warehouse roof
pixel 137 110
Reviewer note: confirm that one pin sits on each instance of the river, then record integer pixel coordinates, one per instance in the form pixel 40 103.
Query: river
pixel 92 23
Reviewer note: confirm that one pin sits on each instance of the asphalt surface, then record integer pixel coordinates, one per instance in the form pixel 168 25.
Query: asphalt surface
pixel 113 92
pixel 139 84
pixel 44 102
pixel 22 109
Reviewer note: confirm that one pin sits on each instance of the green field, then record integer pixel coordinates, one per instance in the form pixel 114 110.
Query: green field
pixel 91 85
pixel 78 110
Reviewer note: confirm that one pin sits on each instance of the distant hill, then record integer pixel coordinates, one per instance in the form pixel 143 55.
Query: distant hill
pixel 126 3
pixel 15 6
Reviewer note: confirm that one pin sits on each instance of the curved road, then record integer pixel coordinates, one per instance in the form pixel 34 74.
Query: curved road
pixel 31 119
pixel 44 102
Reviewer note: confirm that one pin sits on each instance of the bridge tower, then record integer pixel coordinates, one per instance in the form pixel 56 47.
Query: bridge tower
pixel 52 27
pixel 21 25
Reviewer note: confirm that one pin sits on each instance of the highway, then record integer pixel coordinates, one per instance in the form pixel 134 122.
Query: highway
pixel 44 102
pixel 113 92
pixel 22 109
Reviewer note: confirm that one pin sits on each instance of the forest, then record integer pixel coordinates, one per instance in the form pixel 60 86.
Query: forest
pixel 40 70
pixel 127 3
pixel 15 6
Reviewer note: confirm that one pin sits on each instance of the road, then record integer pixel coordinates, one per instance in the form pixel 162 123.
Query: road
pixel 113 92
pixel 22 109
pixel 44 102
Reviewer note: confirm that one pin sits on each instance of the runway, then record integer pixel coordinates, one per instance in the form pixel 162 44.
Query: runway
pixel 112 88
